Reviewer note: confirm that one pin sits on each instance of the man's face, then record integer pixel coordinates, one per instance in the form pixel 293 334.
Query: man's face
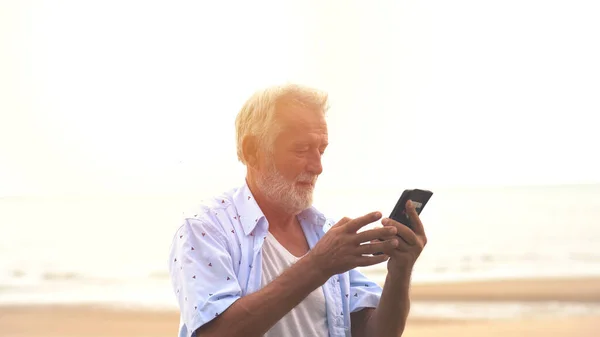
pixel 289 173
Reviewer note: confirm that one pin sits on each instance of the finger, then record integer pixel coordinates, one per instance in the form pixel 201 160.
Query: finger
pixel 403 246
pixel 415 221
pixel 373 234
pixel 342 222
pixel 365 261
pixel 377 247
pixel 405 233
pixel 356 224
pixel 385 238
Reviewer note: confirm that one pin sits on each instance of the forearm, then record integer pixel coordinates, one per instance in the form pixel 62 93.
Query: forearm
pixel 389 319
pixel 255 314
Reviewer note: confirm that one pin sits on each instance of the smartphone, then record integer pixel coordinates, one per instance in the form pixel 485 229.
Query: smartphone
pixel 419 199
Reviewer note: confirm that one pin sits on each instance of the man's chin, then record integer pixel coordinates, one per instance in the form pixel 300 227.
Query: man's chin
pixel 299 206
pixel 291 202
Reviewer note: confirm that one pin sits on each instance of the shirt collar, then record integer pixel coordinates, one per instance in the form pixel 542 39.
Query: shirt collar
pixel 250 214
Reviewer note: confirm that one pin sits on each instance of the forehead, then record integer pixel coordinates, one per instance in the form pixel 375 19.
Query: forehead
pixel 301 124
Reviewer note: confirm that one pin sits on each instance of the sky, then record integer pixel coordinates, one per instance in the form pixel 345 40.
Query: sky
pixel 141 96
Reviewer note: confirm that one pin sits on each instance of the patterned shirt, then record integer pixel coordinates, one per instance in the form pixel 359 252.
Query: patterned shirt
pixel 216 258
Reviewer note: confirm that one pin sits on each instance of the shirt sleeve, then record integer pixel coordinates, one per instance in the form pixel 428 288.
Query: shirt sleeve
pixel 202 273
pixel 364 293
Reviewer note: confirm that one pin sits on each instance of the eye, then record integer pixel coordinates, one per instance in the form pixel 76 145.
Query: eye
pixel 301 149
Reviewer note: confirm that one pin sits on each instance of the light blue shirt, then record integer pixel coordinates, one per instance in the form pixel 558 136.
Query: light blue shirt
pixel 216 258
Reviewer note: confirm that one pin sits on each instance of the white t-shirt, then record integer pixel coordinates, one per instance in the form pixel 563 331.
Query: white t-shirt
pixel 307 319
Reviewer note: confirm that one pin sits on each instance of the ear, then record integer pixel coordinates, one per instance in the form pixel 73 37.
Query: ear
pixel 250 150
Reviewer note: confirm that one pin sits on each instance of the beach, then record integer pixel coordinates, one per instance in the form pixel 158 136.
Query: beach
pixel 534 271
pixel 89 320
pixel 94 322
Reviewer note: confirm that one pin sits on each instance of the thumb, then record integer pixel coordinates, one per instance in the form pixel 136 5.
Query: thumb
pixel 415 221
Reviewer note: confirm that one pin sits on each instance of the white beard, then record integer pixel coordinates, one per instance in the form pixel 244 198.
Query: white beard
pixel 293 198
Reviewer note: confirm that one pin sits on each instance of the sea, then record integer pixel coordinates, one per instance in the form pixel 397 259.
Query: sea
pixel 112 250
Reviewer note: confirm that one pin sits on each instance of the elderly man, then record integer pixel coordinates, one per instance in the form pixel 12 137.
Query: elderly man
pixel 261 261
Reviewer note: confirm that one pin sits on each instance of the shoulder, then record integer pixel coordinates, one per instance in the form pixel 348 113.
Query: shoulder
pixel 205 208
pixel 209 214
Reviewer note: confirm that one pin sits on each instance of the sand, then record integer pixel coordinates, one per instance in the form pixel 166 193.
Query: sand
pixel 557 289
pixel 66 321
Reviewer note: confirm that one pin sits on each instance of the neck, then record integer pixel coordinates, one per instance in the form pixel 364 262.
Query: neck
pixel 276 215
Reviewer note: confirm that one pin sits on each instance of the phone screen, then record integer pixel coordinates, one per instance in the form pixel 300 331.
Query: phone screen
pixel 419 199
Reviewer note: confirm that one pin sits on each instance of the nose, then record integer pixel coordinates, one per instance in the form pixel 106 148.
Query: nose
pixel 314 165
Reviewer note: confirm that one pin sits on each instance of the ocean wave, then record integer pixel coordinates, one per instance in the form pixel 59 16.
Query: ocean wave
pixel 585 257
pixel 430 267
pixel 57 276
pixel 501 310
pixel 21 278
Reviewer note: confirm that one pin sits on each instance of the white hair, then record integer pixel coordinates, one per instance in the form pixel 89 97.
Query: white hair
pixel 257 116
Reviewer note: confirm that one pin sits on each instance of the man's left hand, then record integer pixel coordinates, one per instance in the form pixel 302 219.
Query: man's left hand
pixel 410 243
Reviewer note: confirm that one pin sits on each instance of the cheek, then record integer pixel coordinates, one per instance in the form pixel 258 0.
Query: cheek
pixel 292 167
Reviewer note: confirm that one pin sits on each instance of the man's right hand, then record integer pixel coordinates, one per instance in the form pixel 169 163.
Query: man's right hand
pixel 342 248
